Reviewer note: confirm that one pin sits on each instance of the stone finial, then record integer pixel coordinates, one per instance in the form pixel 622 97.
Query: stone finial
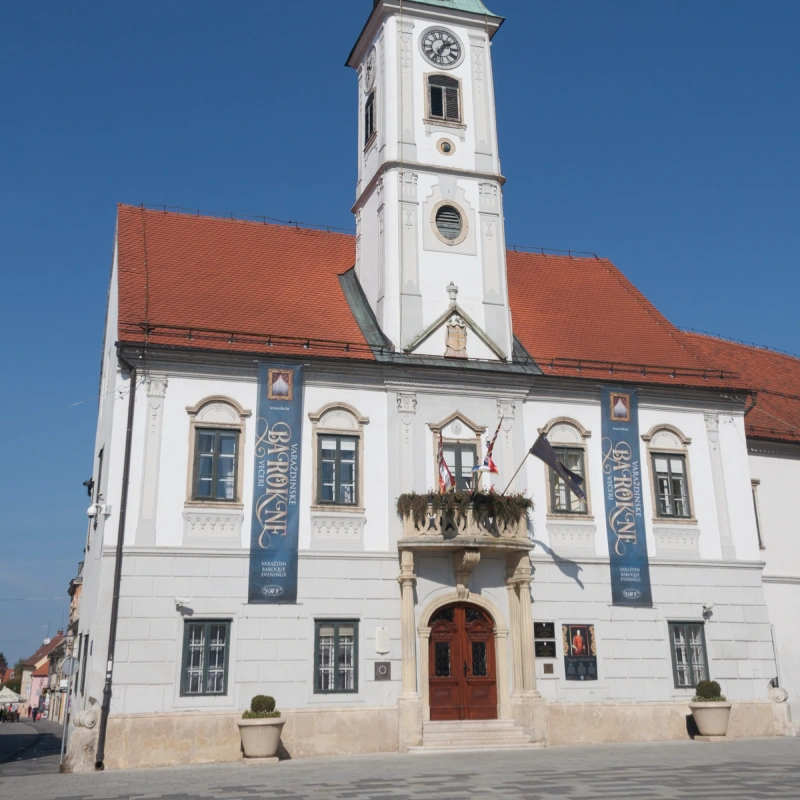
pixel 452 292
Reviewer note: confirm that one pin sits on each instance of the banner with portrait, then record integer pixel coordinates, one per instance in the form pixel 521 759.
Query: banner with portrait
pixel 276 485
pixel 580 652
pixel 622 490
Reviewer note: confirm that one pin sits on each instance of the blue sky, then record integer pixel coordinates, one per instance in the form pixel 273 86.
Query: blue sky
pixel 661 135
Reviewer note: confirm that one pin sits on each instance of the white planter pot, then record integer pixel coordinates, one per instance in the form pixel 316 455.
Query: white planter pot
pixel 261 737
pixel 711 718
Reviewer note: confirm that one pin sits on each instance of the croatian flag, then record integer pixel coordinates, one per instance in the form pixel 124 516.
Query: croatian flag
pixel 543 450
pixel 446 482
pixel 489 465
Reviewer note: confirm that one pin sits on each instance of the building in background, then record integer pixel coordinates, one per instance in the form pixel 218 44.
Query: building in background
pixel 35 673
pixel 286 387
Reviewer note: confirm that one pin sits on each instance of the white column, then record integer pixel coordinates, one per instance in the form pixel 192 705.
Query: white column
pixel 408 580
pixel 720 495
pixel 148 499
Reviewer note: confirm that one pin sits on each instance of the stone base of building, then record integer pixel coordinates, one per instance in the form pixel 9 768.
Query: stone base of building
pixel 601 723
pixel 158 740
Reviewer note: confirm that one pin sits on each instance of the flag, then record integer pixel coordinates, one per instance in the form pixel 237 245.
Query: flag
pixel 446 482
pixel 489 465
pixel 543 450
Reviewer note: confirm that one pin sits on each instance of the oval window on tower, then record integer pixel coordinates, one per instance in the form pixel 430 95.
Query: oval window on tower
pixel 448 223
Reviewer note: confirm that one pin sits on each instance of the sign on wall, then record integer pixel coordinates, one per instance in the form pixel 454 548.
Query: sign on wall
pixel 580 653
pixel 276 485
pixel 622 490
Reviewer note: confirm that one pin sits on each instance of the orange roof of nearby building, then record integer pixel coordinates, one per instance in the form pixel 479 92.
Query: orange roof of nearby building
pixel 43 671
pixel 223 284
pixel 44 650
pixel 774 377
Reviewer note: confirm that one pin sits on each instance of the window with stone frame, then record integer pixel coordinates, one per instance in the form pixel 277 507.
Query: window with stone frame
pixel 217 426
pixel 369 118
pixel 204 667
pixel 569 439
pixel 562 499
pixel 336 656
pixel 444 98
pixel 689 657
pixel 671 485
pixel 337 431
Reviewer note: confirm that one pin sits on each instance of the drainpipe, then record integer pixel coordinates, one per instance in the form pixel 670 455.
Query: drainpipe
pixel 753 401
pixel 112 632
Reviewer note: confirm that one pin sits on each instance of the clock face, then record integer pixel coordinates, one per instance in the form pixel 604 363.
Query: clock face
pixel 369 70
pixel 441 47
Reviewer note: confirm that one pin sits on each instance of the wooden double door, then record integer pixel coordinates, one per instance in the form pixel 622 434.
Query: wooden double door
pixel 461 665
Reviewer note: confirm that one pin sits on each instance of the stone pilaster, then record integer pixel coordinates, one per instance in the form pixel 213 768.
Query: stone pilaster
pixel 720 495
pixel 148 497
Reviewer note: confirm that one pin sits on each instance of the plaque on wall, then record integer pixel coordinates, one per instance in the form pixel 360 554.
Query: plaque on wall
pixel 383 670
pixel 545 649
pixel 544 630
pixel 580 653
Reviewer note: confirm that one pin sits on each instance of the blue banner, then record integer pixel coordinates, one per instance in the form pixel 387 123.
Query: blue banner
pixel 276 485
pixel 622 489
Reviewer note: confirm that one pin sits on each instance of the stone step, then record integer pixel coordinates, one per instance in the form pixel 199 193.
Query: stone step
pixel 472 735
pixel 471 748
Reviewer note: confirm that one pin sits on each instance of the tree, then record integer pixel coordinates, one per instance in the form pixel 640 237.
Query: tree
pixel 3 662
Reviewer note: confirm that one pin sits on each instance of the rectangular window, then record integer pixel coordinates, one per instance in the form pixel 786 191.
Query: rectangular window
pixel 215 464
pixel 562 499
pixel 672 488
pixel 461 458
pixel 338 462
pixel 205 657
pixel 754 486
pixel 689 660
pixel 443 98
pixel 336 657
pixel 369 118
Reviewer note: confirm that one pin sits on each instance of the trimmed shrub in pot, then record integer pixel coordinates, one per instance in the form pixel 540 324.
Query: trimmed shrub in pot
pixel 260 728
pixel 710 709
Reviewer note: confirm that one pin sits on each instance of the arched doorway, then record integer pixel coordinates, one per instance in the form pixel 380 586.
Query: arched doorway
pixel 461 668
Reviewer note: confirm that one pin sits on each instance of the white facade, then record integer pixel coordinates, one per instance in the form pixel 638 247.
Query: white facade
pixel 186 560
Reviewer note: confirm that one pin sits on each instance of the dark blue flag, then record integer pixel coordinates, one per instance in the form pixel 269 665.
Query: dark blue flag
pixel 543 450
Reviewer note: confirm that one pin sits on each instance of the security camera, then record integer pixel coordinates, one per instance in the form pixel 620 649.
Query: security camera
pixel 91 512
pixel 181 602
pixel 708 610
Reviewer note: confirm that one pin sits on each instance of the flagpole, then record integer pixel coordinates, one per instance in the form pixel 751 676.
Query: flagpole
pixel 517 472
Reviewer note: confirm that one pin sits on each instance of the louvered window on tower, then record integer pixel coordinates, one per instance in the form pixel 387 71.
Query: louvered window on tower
pixel 448 222
pixel 369 118
pixel 443 95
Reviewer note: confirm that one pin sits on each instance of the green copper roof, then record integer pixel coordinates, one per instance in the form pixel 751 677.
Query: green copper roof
pixel 472 6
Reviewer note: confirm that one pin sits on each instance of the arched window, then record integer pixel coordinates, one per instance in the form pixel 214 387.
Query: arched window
pixel 215 457
pixel 444 98
pixel 568 438
pixel 338 441
pixel 670 464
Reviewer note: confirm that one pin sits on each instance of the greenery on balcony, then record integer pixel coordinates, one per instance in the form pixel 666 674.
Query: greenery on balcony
pixel 505 509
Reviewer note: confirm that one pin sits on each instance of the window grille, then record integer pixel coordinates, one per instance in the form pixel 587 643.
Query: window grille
pixel 443 98
pixel 689 659
pixel 672 488
pixel 205 658
pixel 336 657
pixel 215 457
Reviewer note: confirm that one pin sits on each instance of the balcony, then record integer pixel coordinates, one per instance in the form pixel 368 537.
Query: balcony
pixel 462 519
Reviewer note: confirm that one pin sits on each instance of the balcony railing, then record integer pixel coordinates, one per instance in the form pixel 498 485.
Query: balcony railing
pixel 473 523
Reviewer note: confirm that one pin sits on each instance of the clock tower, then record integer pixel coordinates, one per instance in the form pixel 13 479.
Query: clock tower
pixel 430 244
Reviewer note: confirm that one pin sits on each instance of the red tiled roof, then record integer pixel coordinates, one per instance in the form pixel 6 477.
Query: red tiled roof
pixel 43 651
pixel 774 377
pixel 213 274
pixel 583 318
pixel 224 284
pixel 43 671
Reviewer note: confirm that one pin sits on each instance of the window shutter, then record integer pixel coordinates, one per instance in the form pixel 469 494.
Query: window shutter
pixel 452 104
pixel 437 102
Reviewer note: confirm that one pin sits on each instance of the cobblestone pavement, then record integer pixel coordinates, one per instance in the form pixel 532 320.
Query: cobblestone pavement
pixel 739 770
pixel 29 748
